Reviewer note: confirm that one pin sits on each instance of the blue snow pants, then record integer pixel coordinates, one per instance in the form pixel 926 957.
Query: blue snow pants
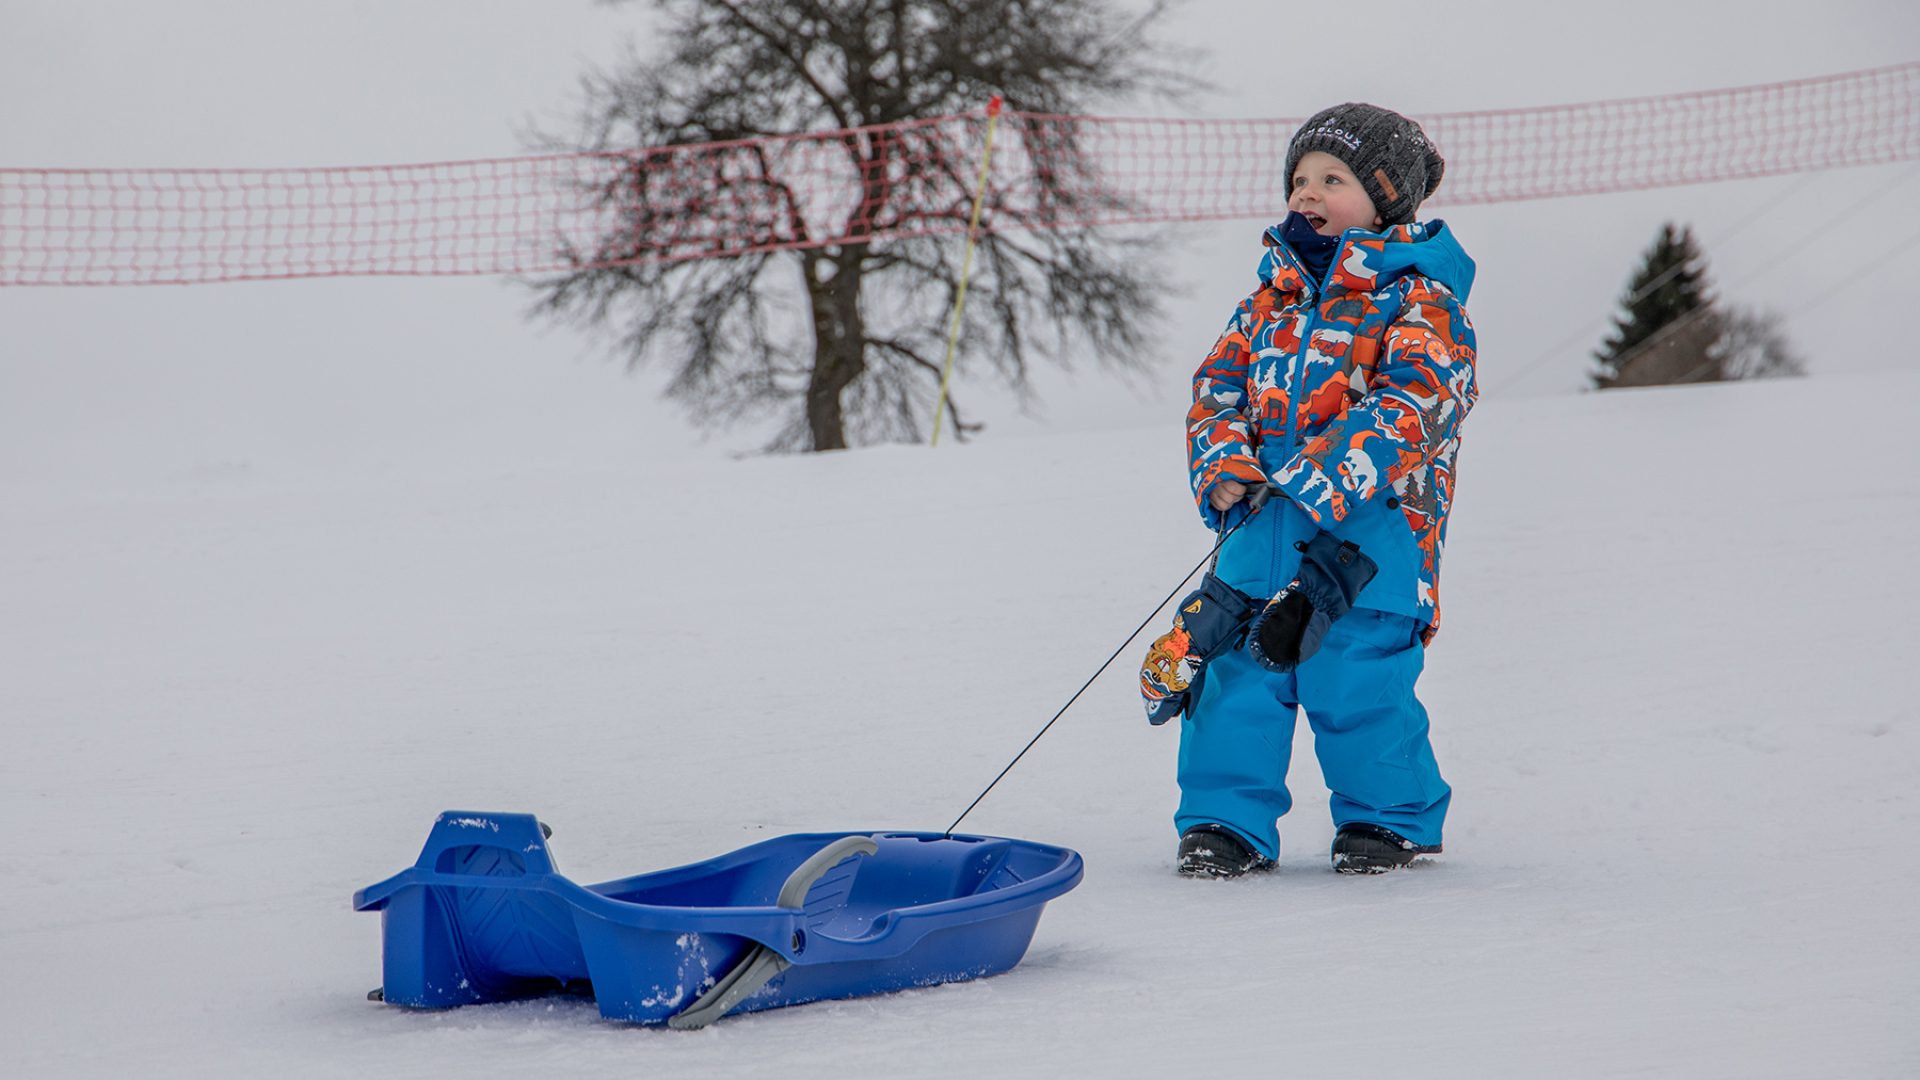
pixel 1369 732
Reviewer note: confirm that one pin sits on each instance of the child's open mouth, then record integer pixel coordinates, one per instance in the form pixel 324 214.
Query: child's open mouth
pixel 1316 220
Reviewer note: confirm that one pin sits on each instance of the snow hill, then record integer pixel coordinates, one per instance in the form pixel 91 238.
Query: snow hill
pixel 1672 696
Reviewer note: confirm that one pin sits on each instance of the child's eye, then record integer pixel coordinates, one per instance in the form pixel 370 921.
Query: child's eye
pixel 1333 180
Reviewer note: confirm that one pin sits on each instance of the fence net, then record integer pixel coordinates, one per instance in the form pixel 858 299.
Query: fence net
pixel 559 213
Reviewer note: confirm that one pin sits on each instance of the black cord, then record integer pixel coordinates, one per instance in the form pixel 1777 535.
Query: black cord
pixel 1254 503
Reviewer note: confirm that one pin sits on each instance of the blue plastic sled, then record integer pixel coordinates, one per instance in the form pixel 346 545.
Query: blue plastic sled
pixel 484 916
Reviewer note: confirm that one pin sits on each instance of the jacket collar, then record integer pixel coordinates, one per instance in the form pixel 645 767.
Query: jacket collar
pixel 1358 264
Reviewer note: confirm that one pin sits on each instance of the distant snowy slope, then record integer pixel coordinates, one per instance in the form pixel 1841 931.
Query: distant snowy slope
pixel 1672 695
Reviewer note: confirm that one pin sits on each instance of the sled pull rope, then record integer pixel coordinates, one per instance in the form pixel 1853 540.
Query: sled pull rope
pixel 1256 498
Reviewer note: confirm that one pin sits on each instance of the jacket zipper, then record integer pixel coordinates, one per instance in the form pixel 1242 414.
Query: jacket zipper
pixel 1295 360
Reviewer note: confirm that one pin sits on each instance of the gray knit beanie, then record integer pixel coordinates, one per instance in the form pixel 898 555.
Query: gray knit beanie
pixel 1391 157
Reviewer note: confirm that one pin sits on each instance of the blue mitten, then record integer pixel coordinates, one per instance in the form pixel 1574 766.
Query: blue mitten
pixel 1211 620
pixel 1294 623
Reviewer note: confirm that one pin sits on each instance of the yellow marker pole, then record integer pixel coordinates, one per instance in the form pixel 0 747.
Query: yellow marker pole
pixel 966 269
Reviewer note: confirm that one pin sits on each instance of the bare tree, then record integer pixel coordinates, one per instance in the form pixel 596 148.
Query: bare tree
pixel 1754 345
pixel 840 341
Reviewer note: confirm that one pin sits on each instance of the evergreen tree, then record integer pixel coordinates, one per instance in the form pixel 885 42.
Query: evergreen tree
pixel 1668 326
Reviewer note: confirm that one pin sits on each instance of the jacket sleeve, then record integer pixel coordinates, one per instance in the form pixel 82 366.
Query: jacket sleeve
pixel 1220 435
pixel 1420 392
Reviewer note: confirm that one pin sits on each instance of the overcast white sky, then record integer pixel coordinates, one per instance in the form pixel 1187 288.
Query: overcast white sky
pixel 252 379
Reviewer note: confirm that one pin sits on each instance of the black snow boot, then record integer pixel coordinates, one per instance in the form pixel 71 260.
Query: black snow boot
pixel 1215 851
pixel 1360 848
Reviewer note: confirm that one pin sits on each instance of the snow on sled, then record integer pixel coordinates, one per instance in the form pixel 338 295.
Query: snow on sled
pixel 483 916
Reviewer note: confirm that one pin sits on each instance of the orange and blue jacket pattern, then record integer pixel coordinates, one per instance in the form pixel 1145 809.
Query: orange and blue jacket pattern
pixel 1346 394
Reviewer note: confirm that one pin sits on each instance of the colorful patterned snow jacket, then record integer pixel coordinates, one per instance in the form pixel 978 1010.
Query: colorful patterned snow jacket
pixel 1348 394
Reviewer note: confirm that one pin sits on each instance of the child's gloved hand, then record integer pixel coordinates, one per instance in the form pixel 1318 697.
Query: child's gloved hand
pixel 1294 623
pixel 1211 620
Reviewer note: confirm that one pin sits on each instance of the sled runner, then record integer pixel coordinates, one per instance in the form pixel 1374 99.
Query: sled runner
pixel 484 916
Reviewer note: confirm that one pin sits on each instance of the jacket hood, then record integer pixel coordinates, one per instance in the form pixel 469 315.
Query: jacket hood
pixel 1371 260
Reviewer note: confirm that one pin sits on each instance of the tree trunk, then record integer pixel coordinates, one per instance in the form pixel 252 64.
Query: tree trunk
pixel 839 342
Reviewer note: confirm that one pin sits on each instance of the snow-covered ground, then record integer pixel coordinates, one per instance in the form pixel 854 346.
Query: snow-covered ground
pixel 1671 697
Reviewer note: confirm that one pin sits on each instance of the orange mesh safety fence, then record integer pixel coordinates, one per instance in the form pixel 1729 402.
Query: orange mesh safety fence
pixel 534 215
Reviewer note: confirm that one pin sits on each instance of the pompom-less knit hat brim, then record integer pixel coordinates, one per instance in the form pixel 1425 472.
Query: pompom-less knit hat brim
pixel 1389 154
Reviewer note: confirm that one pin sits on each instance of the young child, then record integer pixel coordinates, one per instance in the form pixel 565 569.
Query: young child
pixel 1338 390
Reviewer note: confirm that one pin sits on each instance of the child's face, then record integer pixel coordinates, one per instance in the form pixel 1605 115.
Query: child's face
pixel 1326 193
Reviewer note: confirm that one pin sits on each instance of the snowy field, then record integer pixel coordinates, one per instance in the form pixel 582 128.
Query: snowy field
pixel 1670 696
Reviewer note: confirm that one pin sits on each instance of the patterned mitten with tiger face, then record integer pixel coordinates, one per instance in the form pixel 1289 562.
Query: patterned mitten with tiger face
pixel 1211 620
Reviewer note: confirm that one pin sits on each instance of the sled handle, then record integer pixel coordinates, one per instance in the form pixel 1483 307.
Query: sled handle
pixel 794 893
pixel 761 964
